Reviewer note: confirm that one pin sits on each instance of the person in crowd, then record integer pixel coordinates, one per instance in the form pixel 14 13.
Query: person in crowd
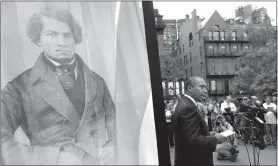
pixel 215 113
pixel 270 124
pixel 227 106
pixel 274 100
pixel 194 144
pixel 168 115
pixel 203 110
pixel 210 112
pixel 228 109
pixel 226 150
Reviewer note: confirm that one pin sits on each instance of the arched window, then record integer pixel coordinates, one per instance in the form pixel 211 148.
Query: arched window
pixel 190 39
pixel 216 27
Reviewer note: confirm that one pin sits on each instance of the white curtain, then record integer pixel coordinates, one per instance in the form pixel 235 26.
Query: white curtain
pixel 113 46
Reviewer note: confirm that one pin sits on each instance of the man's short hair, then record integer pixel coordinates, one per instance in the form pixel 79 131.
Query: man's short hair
pixel 268 97
pixel 191 81
pixel 35 24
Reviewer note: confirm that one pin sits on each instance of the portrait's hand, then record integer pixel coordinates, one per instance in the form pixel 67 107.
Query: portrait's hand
pixel 107 157
pixel 66 158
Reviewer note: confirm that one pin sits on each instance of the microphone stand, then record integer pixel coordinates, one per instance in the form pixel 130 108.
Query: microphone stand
pixel 253 139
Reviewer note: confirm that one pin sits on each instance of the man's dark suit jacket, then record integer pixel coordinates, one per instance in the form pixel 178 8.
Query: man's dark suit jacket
pixel 194 145
pixel 36 101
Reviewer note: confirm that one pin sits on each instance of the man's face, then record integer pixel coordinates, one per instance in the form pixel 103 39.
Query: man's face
pixel 245 101
pixel 57 40
pixel 228 99
pixel 268 100
pixel 199 91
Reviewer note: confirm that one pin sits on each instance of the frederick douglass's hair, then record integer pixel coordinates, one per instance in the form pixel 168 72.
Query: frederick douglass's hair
pixel 35 24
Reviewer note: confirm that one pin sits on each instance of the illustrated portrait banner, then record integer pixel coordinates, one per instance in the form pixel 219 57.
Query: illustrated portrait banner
pixel 114 47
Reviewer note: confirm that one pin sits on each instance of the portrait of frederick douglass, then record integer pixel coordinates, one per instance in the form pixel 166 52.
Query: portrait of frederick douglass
pixel 64 108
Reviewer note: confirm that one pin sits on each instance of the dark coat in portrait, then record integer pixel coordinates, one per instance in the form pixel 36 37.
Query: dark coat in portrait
pixel 193 144
pixel 83 124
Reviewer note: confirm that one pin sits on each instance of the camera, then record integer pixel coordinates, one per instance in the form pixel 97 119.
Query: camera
pixel 228 109
pixel 234 151
pixel 217 123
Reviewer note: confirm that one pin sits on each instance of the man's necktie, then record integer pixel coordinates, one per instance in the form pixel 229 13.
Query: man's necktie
pixel 66 75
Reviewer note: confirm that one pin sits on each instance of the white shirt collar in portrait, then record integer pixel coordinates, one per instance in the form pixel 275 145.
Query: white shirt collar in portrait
pixel 59 64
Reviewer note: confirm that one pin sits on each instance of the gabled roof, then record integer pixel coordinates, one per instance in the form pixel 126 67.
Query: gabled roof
pixel 214 16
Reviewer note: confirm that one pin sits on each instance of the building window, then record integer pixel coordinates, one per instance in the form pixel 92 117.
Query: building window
pixel 183 48
pixel 182 87
pixel 234 48
pixel 173 36
pixel 234 35
pixel 222 35
pixel 170 37
pixel 216 27
pixel 186 59
pixel 190 40
pixel 226 66
pixel 185 73
pixel 210 35
pixel 222 48
pixel 177 88
pixel 201 67
pixel 200 36
pixel 191 71
pixel 213 85
pixel 212 67
pixel 180 62
pixel 155 19
pixel 165 38
pixel 190 57
pixel 245 36
pixel 210 47
pixel 201 51
pixel 246 48
pixel 216 35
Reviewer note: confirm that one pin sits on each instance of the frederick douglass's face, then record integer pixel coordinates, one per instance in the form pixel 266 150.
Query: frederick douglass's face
pixel 57 40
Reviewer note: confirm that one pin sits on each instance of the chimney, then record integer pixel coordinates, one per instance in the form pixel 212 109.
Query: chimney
pixel 187 17
pixel 198 17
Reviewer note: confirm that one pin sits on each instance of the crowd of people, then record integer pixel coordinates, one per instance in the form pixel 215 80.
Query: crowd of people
pixel 235 114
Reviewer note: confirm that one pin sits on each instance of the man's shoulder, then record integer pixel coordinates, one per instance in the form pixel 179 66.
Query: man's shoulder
pixel 184 107
pixel 19 83
pixel 22 78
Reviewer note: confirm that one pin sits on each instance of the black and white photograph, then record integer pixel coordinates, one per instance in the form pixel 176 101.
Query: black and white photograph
pixel 218 63
pixel 138 83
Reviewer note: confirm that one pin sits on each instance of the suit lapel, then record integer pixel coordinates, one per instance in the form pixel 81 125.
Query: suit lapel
pixel 90 87
pixel 47 85
pixel 199 113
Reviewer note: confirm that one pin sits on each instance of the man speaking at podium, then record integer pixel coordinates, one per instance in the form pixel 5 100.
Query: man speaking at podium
pixel 194 143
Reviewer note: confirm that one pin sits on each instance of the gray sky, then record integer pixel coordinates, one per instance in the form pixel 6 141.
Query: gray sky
pixel 178 10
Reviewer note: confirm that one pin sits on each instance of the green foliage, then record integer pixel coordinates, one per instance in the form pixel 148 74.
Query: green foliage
pixel 171 69
pixel 257 70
